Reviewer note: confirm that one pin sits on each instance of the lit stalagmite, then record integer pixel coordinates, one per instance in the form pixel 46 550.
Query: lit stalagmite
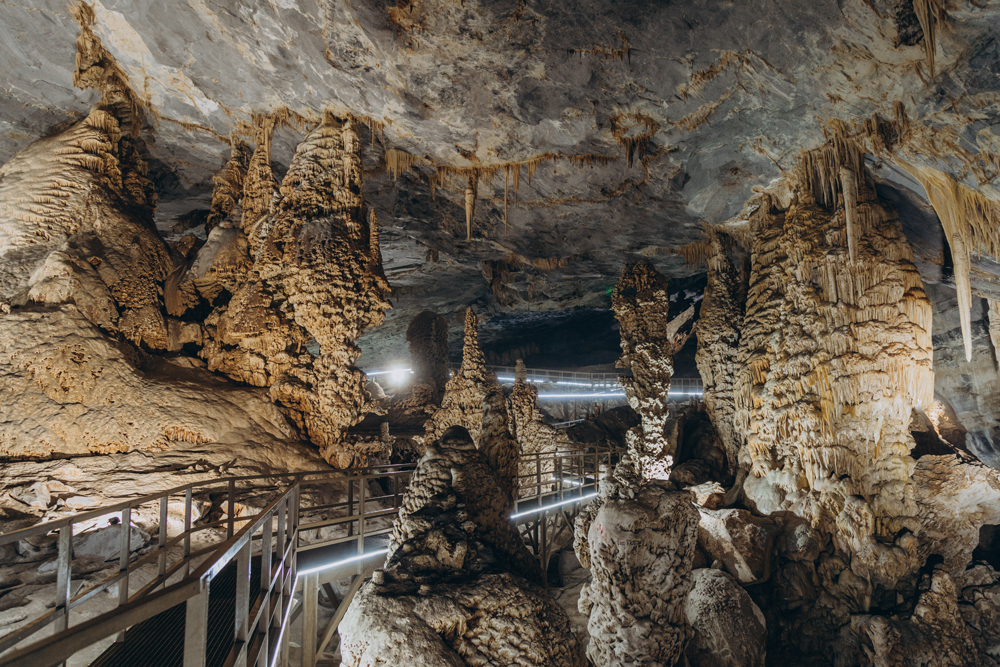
pixel 834 356
pixel 465 392
pixel 427 336
pixel 302 267
pixel 639 536
pixel 323 252
pixel 649 339
pixel 459 586
pixel 498 446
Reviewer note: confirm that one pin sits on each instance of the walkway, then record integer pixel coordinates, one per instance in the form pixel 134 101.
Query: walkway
pixel 205 596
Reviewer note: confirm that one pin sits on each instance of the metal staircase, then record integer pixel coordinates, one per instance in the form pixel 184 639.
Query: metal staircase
pixel 226 587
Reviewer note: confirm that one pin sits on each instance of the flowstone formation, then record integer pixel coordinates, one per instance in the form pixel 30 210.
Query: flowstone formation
pixel 534 437
pixel 835 355
pixel 720 321
pixel 649 340
pixel 305 270
pixel 459 586
pixel 464 393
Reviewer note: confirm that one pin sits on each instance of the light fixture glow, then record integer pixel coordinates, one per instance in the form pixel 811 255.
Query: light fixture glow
pixel 398 375
pixel 548 507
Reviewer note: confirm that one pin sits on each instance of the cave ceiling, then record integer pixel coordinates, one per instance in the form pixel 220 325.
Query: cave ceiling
pixel 632 124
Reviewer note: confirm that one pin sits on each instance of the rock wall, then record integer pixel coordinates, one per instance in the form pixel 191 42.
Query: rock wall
pixel 834 356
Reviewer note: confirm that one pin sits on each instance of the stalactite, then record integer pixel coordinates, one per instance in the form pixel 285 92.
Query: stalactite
pixel 470 206
pixel 849 186
pixel 506 182
pixel 634 144
pixel 994 320
pixel 397 161
pixel 929 13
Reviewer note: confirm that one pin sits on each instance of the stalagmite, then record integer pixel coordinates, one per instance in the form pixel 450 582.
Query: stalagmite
pixel 318 252
pixel 427 336
pixel 834 356
pixel 465 392
pixel 720 321
pixel 534 437
pixel 649 339
pixel 498 445
pixel 460 589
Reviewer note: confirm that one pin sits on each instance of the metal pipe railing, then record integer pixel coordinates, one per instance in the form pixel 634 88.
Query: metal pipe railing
pixel 286 526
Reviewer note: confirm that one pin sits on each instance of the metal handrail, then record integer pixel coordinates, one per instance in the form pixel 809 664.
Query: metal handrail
pixel 362 515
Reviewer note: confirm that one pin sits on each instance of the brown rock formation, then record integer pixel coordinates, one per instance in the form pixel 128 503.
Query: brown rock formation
pixel 720 321
pixel 535 438
pixel 640 545
pixel 834 355
pixel 454 524
pixel 428 339
pixel 464 394
pixel 649 339
pixel 500 449
pixel 454 544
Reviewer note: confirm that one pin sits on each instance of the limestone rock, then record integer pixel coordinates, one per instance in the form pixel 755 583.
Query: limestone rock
pixel 70 390
pixel 709 495
pixel 649 340
pixel 466 390
pixel 741 541
pixel 105 543
pixel 640 552
pixel 454 523
pixel 498 619
pixel 729 629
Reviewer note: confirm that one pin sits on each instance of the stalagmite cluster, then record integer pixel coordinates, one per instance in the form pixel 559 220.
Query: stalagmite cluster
pixel 304 268
pixel 720 322
pixel 459 587
pixel 834 356
pixel 466 391
pixel 649 340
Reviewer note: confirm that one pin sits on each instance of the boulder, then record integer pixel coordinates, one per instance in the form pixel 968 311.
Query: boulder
pixel 740 541
pixel 729 629
pixel 105 543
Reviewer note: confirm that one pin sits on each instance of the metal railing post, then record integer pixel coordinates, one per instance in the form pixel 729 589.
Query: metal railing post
pixel 196 629
pixel 125 551
pixel 310 611
pixel 187 531
pixel 161 568
pixel 361 516
pixel 231 510
pixel 63 578
pixel 241 630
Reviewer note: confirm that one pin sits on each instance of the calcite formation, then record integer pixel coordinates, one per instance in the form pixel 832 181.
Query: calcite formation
pixel 639 545
pixel 465 392
pixel 720 322
pixel 834 356
pixel 427 336
pixel 498 446
pixel 305 269
pixel 729 628
pixel 457 587
pixel 536 440
pixel 649 340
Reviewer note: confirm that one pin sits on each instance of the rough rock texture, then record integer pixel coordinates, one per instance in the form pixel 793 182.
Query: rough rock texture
pixel 500 449
pixel 729 629
pixel 834 356
pixel 427 336
pixel 454 525
pixel 68 389
pixel 497 619
pixel 453 590
pixel 639 545
pixel 465 392
pixel 739 541
pixel 534 437
pixel 649 340
pixel 720 322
